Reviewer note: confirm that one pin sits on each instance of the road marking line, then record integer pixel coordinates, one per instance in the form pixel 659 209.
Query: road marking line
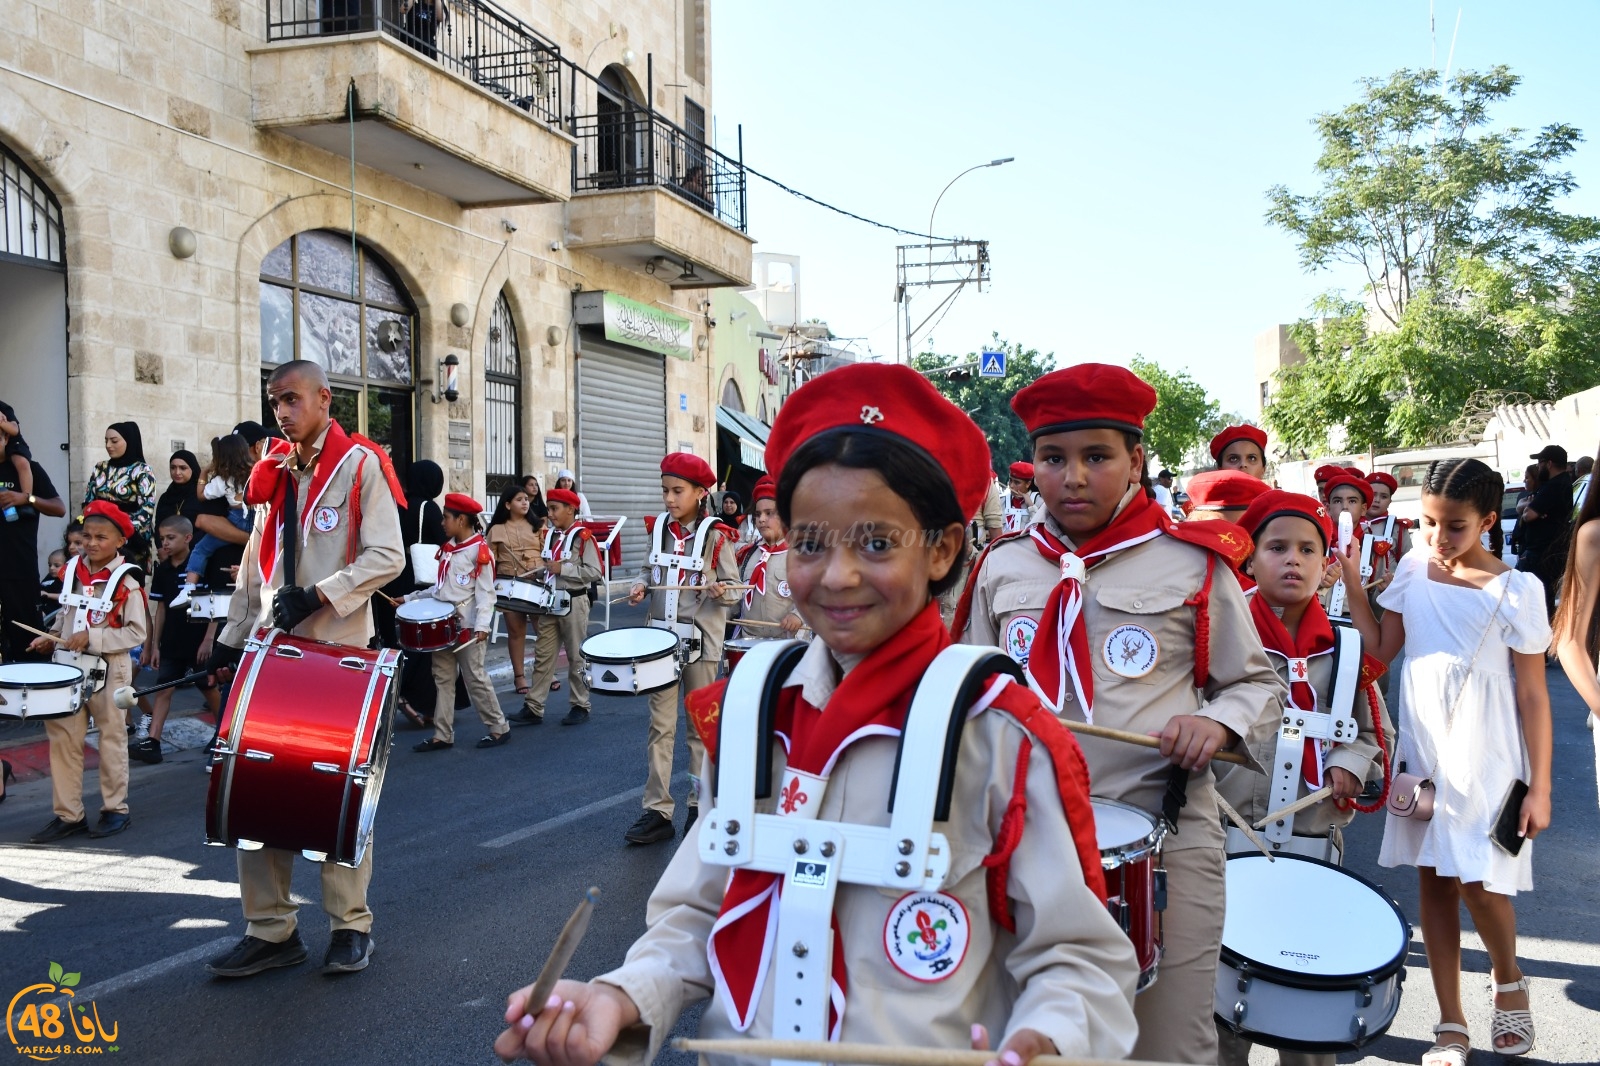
pixel 155 969
pixel 517 835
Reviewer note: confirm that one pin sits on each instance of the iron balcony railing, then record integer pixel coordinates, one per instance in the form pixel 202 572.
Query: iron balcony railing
pixel 473 38
pixel 629 147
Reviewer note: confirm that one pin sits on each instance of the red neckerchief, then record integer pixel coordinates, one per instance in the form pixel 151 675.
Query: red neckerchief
pixel 683 539
pixel 872 700
pixel 758 576
pixel 1313 637
pixel 1060 655
pixel 1018 502
pixel 447 550
pixel 270 479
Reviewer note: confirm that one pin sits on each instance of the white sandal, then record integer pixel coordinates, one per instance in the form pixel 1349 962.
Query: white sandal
pixel 1448 1054
pixel 1517 1023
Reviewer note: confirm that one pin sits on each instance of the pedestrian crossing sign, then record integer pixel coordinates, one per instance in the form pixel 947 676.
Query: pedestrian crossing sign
pixel 992 365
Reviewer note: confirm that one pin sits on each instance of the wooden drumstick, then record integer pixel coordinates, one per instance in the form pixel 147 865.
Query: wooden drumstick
pixel 874 1054
pixel 392 601
pixel 1107 733
pixel 39 632
pixel 1250 834
pixel 743 622
pixel 691 588
pixel 1310 799
pixel 561 954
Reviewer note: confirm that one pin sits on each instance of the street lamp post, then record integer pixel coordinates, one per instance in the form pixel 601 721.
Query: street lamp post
pixel 905 299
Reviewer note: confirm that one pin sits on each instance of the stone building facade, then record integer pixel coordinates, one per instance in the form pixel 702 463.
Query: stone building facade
pixel 528 186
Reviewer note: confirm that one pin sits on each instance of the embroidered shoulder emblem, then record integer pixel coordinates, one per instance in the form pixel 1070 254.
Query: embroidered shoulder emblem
pixel 926 935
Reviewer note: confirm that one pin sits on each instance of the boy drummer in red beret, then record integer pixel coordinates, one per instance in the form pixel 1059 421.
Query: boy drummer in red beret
pixel 1222 494
pixel 1241 448
pixel 1126 619
pixel 1020 499
pixel 764 566
pixel 693 551
pixel 570 562
pixel 1391 534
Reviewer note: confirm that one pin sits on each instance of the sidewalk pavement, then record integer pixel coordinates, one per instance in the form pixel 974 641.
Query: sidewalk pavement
pixel 189 726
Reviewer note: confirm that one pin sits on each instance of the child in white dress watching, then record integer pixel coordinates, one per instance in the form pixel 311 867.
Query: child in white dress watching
pixel 1474 718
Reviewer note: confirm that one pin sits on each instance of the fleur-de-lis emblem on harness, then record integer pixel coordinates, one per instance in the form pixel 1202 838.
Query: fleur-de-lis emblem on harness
pixel 870 414
pixel 792 797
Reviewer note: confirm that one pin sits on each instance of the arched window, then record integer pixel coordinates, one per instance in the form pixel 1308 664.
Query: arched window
pixel 732 398
pixel 33 232
pixel 502 399
pixel 343 308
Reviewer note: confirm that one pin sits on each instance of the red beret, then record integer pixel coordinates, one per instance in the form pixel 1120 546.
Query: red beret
pixel 461 503
pixel 1254 434
pixel 1274 503
pixel 1086 396
pixel 766 489
pixel 1357 471
pixel 1346 478
pixel 1378 477
pixel 566 496
pixel 112 513
pixel 1326 471
pixel 888 399
pixel 1214 490
pixel 1022 471
pixel 690 468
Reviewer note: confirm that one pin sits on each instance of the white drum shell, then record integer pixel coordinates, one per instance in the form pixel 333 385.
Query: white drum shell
pixel 1274 1001
pixel 631 661
pixel 40 690
pixel 527 597
pixel 211 606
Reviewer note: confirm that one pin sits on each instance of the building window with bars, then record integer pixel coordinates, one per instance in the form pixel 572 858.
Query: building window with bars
pixel 502 399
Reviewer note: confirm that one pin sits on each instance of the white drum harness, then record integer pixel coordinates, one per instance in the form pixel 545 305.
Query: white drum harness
pixel 671 571
pixel 93 666
pixel 1334 725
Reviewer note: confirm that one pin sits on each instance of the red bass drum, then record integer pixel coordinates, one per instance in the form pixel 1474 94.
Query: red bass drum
pixel 300 755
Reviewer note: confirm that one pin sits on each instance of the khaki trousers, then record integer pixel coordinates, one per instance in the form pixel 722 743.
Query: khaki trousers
pixel 264 877
pixel 468 658
pixel 1234 1050
pixel 664 735
pixel 66 748
pixel 1175 1013
pixel 553 632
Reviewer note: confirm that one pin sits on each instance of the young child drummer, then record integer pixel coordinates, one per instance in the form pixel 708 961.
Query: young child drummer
pixel 1391 532
pixel 1126 619
pixel 1242 448
pixel 1346 491
pixel 109 619
pixel 466 579
pixel 570 562
pixel 1017 506
pixel 764 566
pixel 878 475
pixel 704 601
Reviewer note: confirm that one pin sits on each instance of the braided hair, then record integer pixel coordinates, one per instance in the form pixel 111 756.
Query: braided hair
pixel 1470 482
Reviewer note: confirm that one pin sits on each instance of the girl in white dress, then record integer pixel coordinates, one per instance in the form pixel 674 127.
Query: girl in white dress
pixel 1474 717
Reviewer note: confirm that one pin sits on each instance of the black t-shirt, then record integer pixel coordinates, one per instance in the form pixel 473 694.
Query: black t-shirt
pixel 179 636
pixel 19 540
pixel 1553 502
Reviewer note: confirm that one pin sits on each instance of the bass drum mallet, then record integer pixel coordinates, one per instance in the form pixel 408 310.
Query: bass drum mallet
pixel 127 697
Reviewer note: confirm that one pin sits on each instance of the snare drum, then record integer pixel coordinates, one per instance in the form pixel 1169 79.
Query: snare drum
pixel 208 606
pixel 529 597
pixel 92 667
pixel 40 690
pixel 427 624
pixel 296 773
pixel 1130 856
pixel 734 650
pixel 1313 956
pixel 631 661
pixel 424 563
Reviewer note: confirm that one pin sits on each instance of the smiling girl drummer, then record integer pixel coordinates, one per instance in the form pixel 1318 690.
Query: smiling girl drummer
pixel 878 475
pixel 1126 619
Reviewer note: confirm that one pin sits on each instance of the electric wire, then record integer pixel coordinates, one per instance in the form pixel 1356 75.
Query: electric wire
pixel 839 210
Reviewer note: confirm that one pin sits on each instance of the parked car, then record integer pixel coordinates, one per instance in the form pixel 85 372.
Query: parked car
pixel 1508 521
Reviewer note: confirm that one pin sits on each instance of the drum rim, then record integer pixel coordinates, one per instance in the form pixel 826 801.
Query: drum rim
pixel 25 685
pixel 449 610
pixel 1311 1047
pixel 615 660
pixel 1322 982
pixel 1133 850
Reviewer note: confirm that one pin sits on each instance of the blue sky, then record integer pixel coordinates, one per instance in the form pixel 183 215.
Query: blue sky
pixel 1145 136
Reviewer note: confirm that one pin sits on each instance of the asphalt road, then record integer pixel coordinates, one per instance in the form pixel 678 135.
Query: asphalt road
pixel 480 857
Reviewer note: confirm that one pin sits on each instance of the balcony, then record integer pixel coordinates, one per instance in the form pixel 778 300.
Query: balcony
pixel 470 108
pixel 650 197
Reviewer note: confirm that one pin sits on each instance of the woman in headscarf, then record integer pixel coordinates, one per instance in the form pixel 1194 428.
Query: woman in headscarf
pixel 125 480
pixel 182 496
pixel 422 522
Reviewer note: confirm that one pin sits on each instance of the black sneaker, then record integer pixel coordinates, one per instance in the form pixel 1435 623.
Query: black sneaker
pixel 111 823
pixel 525 717
pixel 252 955
pixel 432 744
pixel 348 952
pixel 147 750
pixel 56 830
pixel 688 823
pixel 652 827
pixel 576 716
pixel 495 740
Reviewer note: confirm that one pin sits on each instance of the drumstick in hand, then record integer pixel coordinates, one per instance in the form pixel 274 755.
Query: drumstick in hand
pixel 1250 834
pixel 1107 733
pixel 1310 799
pixel 691 588
pixel 39 632
pixel 560 955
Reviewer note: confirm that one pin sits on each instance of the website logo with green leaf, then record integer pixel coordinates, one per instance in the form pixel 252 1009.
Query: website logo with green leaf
pixel 45 1021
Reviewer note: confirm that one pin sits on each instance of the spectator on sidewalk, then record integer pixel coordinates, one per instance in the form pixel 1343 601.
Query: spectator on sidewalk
pixel 1547 521
pixel 182 496
pixel 124 480
pixel 566 479
pixel 173 647
pixel 224 492
pixel 19 554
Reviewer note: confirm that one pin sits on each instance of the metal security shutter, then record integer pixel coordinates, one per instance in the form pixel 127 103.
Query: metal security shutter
pixel 622 435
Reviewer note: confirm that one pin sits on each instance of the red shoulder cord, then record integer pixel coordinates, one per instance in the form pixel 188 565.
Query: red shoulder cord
pixel 998 861
pixel 1201 602
pixel 355 515
pixel 1383 754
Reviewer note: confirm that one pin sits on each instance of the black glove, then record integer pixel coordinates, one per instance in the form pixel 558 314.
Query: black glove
pixel 223 658
pixel 293 605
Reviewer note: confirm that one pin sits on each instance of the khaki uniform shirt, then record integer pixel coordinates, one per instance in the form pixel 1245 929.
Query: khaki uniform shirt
pixel 1251 793
pixel 709 615
pixel 1143 587
pixel 471 593
pixel 580 562
pixel 1068 971
pixel 322 556
pixel 105 639
pixel 775 604
pixel 516 548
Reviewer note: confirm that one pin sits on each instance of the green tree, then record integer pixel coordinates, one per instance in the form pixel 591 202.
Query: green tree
pixel 1477 281
pixel 1183 411
pixel 988 400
